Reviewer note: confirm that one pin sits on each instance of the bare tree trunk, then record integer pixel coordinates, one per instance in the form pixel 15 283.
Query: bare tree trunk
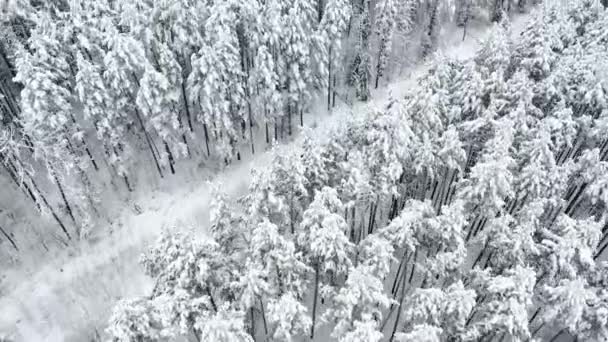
pixel 252 332
pixel 289 111
pixel 206 139
pixel 251 131
pixel 170 157
pixel 399 309
pixel 314 303
pixel 63 196
pixel 8 237
pixel 329 81
pixel 150 143
pixel 334 93
pixel 46 203
pixel 263 317
pixel 187 107
pixel 267 135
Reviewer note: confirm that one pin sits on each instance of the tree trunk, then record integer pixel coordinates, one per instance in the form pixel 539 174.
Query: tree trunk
pixel 46 203
pixel 252 332
pixel 8 237
pixel 289 120
pixel 170 157
pixel 329 81
pixel 381 50
pixel 8 63
pixel 314 303
pixel 63 196
pixel 264 318
pixel 267 135
pixel 400 308
pixel 251 131
pixel 464 28
pixel 208 290
pixel 206 139
pixel 187 108
pixel 149 141
pixel 334 93
pixel 20 185
pixel 320 10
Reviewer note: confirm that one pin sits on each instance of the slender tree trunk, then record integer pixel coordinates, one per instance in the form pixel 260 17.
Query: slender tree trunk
pixel 557 335
pixel 289 120
pixel 276 131
pixel 170 157
pixel 320 10
pixel 251 131
pixel 252 332
pixel 9 238
pixel 46 203
pixel 334 93
pixel 150 143
pixel 20 185
pixel 329 81
pixel 402 268
pixel 413 266
pixel 187 107
pixel 208 290
pixel 7 61
pixel 400 308
pixel 63 196
pixel 267 135
pixel 206 139
pixel 600 252
pixel 379 62
pixel 314 303
pixel 264 318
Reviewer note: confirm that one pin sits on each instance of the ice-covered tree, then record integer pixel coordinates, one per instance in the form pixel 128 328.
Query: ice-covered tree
pixel 443 311
pixel 503 312
pixel 284 266
pixel 336 16
pixel 289 184
pixel 289 316
pixel 361 298
pixel 391 16
pixel 360 70
pixel 226 325
pixel 217 83
pixel 322 235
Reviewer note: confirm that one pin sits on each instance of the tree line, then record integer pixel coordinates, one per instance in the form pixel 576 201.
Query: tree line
pixel 472 209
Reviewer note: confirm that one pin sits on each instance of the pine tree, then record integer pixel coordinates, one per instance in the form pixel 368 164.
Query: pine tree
pixel 336 16
pixel 503 312
pixel 361 68
pixel 226 325
pixel 322 237
pixel 216 83
pixel 361 297
pixel 289 316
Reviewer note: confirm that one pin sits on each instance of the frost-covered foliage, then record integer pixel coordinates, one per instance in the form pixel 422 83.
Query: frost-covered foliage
pixel 472 209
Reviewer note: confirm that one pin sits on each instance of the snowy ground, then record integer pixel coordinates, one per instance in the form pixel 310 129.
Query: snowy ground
pixel 69 297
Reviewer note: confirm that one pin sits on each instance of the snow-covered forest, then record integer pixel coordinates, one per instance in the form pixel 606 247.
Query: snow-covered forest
pixel 471 205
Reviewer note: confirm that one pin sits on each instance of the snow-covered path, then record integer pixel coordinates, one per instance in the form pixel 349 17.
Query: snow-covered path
pixel 70 297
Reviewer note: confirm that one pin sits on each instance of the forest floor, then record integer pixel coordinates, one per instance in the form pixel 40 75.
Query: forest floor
pixel 69 297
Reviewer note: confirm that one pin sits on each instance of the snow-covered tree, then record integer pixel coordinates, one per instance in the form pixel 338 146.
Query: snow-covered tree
pixel 289 316
pixel 361 298
pixel 322 236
